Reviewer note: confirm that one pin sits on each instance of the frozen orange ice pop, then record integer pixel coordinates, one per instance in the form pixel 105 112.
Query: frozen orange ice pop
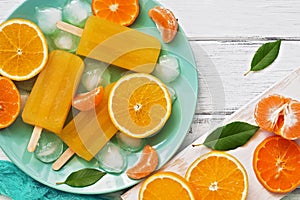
pixel 88 132
pixel 116 44
pixel 50 99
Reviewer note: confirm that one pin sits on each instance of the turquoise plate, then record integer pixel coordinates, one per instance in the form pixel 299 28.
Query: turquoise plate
pixel 14 139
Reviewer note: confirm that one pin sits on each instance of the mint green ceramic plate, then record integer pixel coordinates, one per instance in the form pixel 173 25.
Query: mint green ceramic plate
pixel 14 140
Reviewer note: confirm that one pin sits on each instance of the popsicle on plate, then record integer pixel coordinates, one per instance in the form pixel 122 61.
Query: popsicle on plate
pixel 50 99
pixel 116 44
pixel 87 133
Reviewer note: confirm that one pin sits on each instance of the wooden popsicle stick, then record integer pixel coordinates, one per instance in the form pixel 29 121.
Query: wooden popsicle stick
pixel 69 28
pixel 63 159
pixel 35 136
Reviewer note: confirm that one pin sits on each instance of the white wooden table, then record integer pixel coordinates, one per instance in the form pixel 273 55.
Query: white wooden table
pixel 224 36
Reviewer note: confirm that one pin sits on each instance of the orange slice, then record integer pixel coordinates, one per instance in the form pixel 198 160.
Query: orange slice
pixel 218 175
pixel 276 163
pixel 167 186
pixel 280 115
pixel 146 165
pixel 139 105
pixel 123 12
pixel 165 21
pixel 10 102
pixel 23 49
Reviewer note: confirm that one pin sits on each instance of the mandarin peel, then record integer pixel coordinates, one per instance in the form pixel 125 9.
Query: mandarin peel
pixel 279 115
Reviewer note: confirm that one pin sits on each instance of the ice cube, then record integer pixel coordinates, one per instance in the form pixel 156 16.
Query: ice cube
pixel 112 159
pixel 76 12
pixel 128 143
pixel 95 74
pixel 167 69
pixel 172 93
pixel 49 148
pixel 47 18
pixel 65 41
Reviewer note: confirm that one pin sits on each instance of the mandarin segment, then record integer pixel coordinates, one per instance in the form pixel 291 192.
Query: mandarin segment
pixel 218 175
pixel 166 186
pixel 276 163
pixel 165 21
pixel 9 102
pixel 23 49
pixel 123 12
pixel 146 164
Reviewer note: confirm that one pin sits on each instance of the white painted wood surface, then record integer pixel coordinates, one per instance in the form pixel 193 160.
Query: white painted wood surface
pixel 224 36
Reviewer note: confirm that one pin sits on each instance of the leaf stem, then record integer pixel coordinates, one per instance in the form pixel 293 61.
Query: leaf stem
pixel 60 183
pixel 247 73
pixel 196 145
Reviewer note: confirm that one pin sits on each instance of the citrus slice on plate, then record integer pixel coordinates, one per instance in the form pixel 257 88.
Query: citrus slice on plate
pixel 280 115
pixel 276 163
pixel 167 186
pixel 9 102
pixel 23 49
pixel 139 105
pixel 218 175
pixel 123 12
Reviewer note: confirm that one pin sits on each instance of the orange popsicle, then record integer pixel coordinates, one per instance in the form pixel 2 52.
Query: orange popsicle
pixel 115 44
pixel 88 132
pixel 50 99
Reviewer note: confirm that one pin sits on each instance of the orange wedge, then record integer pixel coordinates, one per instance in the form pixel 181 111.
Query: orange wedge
pixel 23 49
pixel 139 105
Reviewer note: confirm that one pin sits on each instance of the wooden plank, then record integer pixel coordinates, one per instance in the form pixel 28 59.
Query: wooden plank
pixel 179 164
pixel 221 67
pixel 231 19
pixel 235 18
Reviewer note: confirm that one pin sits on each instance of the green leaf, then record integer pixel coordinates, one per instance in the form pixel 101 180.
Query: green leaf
pixel 265 56
pixel 84 177
pixel 231 136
